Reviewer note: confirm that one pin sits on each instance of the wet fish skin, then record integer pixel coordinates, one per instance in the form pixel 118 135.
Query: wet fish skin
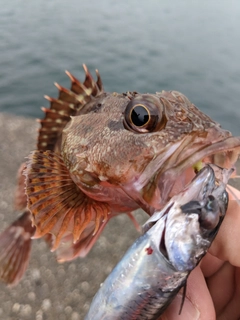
pixel 157 265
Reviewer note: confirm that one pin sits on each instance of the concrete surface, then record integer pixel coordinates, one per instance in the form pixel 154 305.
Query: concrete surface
pixel 49 290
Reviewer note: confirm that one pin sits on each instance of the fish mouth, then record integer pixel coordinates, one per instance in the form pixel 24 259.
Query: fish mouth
pixel 223 154
pixel 199 187
pixel 174 169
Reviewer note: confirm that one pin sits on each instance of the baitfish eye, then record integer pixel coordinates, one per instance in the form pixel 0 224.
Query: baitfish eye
pixel 225 199
pixel 144 114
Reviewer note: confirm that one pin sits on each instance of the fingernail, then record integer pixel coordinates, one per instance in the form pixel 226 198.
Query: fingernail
pixel 189 311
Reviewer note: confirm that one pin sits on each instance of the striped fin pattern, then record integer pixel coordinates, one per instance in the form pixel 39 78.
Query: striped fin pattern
pixel 57 205
pixel 15 249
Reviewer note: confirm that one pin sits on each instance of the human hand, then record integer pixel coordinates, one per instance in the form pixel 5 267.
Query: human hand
pixel 213 287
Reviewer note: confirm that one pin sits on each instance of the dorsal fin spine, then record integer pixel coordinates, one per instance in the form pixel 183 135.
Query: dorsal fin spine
pixel 65 106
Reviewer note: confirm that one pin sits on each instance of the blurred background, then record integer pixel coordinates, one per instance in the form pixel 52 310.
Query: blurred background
pixel 189 46
pixel 192 47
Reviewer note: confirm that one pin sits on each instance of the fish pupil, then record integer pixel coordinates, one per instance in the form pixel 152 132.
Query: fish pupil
pixel 139 116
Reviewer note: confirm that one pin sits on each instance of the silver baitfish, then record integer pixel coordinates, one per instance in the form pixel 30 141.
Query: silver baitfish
pixel 159 262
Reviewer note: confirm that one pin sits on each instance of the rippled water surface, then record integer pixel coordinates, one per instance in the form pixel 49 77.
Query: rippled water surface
pixel 145 46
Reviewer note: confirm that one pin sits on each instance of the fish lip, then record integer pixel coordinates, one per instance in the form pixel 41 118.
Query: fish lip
pixel 230 145
pixel 163 178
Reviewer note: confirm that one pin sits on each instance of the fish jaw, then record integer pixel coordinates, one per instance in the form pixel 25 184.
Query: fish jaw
pixel 172 171
pixel 223 153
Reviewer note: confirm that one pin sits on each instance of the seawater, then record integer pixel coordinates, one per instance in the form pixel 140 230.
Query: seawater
pixel 144 46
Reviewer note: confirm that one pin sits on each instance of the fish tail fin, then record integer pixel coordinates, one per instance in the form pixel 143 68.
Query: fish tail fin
pixel 15 247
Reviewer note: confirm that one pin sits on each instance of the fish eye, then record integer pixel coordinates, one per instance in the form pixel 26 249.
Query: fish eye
pixel 211 203
pixel 225 198
pixel 139 115
pixel 144 114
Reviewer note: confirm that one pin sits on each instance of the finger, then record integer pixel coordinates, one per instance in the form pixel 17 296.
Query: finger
pixel 232 309
pixel 226 246
pixel 210 265
pixel 197 304
pixel 222 294
pixel 226 296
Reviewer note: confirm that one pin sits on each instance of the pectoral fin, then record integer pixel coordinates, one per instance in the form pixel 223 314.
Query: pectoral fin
pixel 58 206
pixel 68 250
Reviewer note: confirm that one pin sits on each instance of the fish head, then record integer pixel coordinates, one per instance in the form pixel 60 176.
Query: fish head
pixel 145 145
pixel 190 221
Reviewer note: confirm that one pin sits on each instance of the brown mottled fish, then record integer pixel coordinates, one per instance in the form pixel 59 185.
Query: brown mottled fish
pixel 100 154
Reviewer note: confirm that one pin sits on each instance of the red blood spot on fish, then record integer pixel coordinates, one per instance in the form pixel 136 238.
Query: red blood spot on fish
pixel 149 250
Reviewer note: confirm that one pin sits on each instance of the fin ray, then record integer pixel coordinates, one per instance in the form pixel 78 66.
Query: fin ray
pixel 66 105
pixel 15 246
pixel 59 207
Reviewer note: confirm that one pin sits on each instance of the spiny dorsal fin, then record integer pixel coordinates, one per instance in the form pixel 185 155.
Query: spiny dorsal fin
pixel 67 104
pixel 99 82
pixel 90 82
pixel 58 206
